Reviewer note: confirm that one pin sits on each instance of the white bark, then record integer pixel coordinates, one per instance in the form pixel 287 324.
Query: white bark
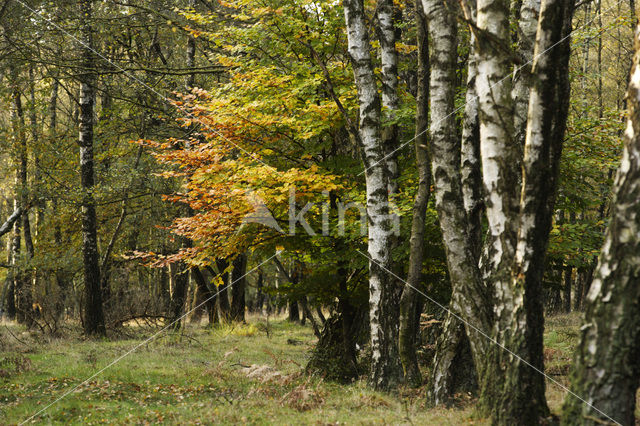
pixel 390 100
pixel 500 154
pixel 385 366
pixel 527 27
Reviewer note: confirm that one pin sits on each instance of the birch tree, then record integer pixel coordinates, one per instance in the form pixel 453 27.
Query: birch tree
pixel 469 296
pixel 386 370
pixel 499 297
pixel 523 391
pixel 409 315
pixel 607 366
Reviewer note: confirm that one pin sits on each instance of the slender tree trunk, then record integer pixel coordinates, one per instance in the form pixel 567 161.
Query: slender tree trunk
pixel 15 310
pixel 22 277
pixel 527 27
pixel 451 372
pixel 470 149
pixel 568 281
pixel 386 370
pixel 93 310
pixel 37 154
pixel 260 296
pixel 600 97
pixel 179 288
pixel 204 295
pixel 607 368
pixel 191 54
pixel 501 158
pixel 409 318
pixel 238 288
pixel 582 274
pixel 388 34
pixel 60 271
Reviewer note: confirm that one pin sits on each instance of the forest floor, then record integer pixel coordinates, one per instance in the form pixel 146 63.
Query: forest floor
pixel 244 374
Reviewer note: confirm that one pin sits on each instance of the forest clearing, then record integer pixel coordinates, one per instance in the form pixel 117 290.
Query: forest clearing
pixel 235 374
pixel 320 212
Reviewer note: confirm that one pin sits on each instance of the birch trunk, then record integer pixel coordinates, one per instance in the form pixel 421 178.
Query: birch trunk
pixel 386 371
pixel 500 154
pixel 607 369
pixel 388 34
pixel 501 158
pixel 409 317
pixel 527 27
pixel 523 392
pixel 93 310
pixel 470 149
pixel 469 297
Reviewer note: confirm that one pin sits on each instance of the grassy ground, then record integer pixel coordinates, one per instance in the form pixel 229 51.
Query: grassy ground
pixel 243 374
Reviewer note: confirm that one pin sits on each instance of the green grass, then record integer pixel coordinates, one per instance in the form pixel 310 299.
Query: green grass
pixel 226 375
pixel 229 374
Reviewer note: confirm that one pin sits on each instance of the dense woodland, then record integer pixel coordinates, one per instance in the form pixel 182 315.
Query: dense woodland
pixel 420 182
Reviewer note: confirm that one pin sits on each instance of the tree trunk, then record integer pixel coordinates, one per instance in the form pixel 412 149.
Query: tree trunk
pixel 21 281
pixel 164 290
pixel 260 296
pixel 180 285
pixel 607 368
pixel 93 310
pixel 26 304
pixel 238 287
pixel 409 317
pixel 567 280
pixel 527 27
pixel 522 326
pixel 470 149
pixel 223 290
pixel 501 158
pixel 294 312
pixel 580 287
pixel 386 370
pixel 388 34
pixel 453 368
pixel 448 368
pixel 191 54
pixel 204 297
pixel 469 298
pixel 13 250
